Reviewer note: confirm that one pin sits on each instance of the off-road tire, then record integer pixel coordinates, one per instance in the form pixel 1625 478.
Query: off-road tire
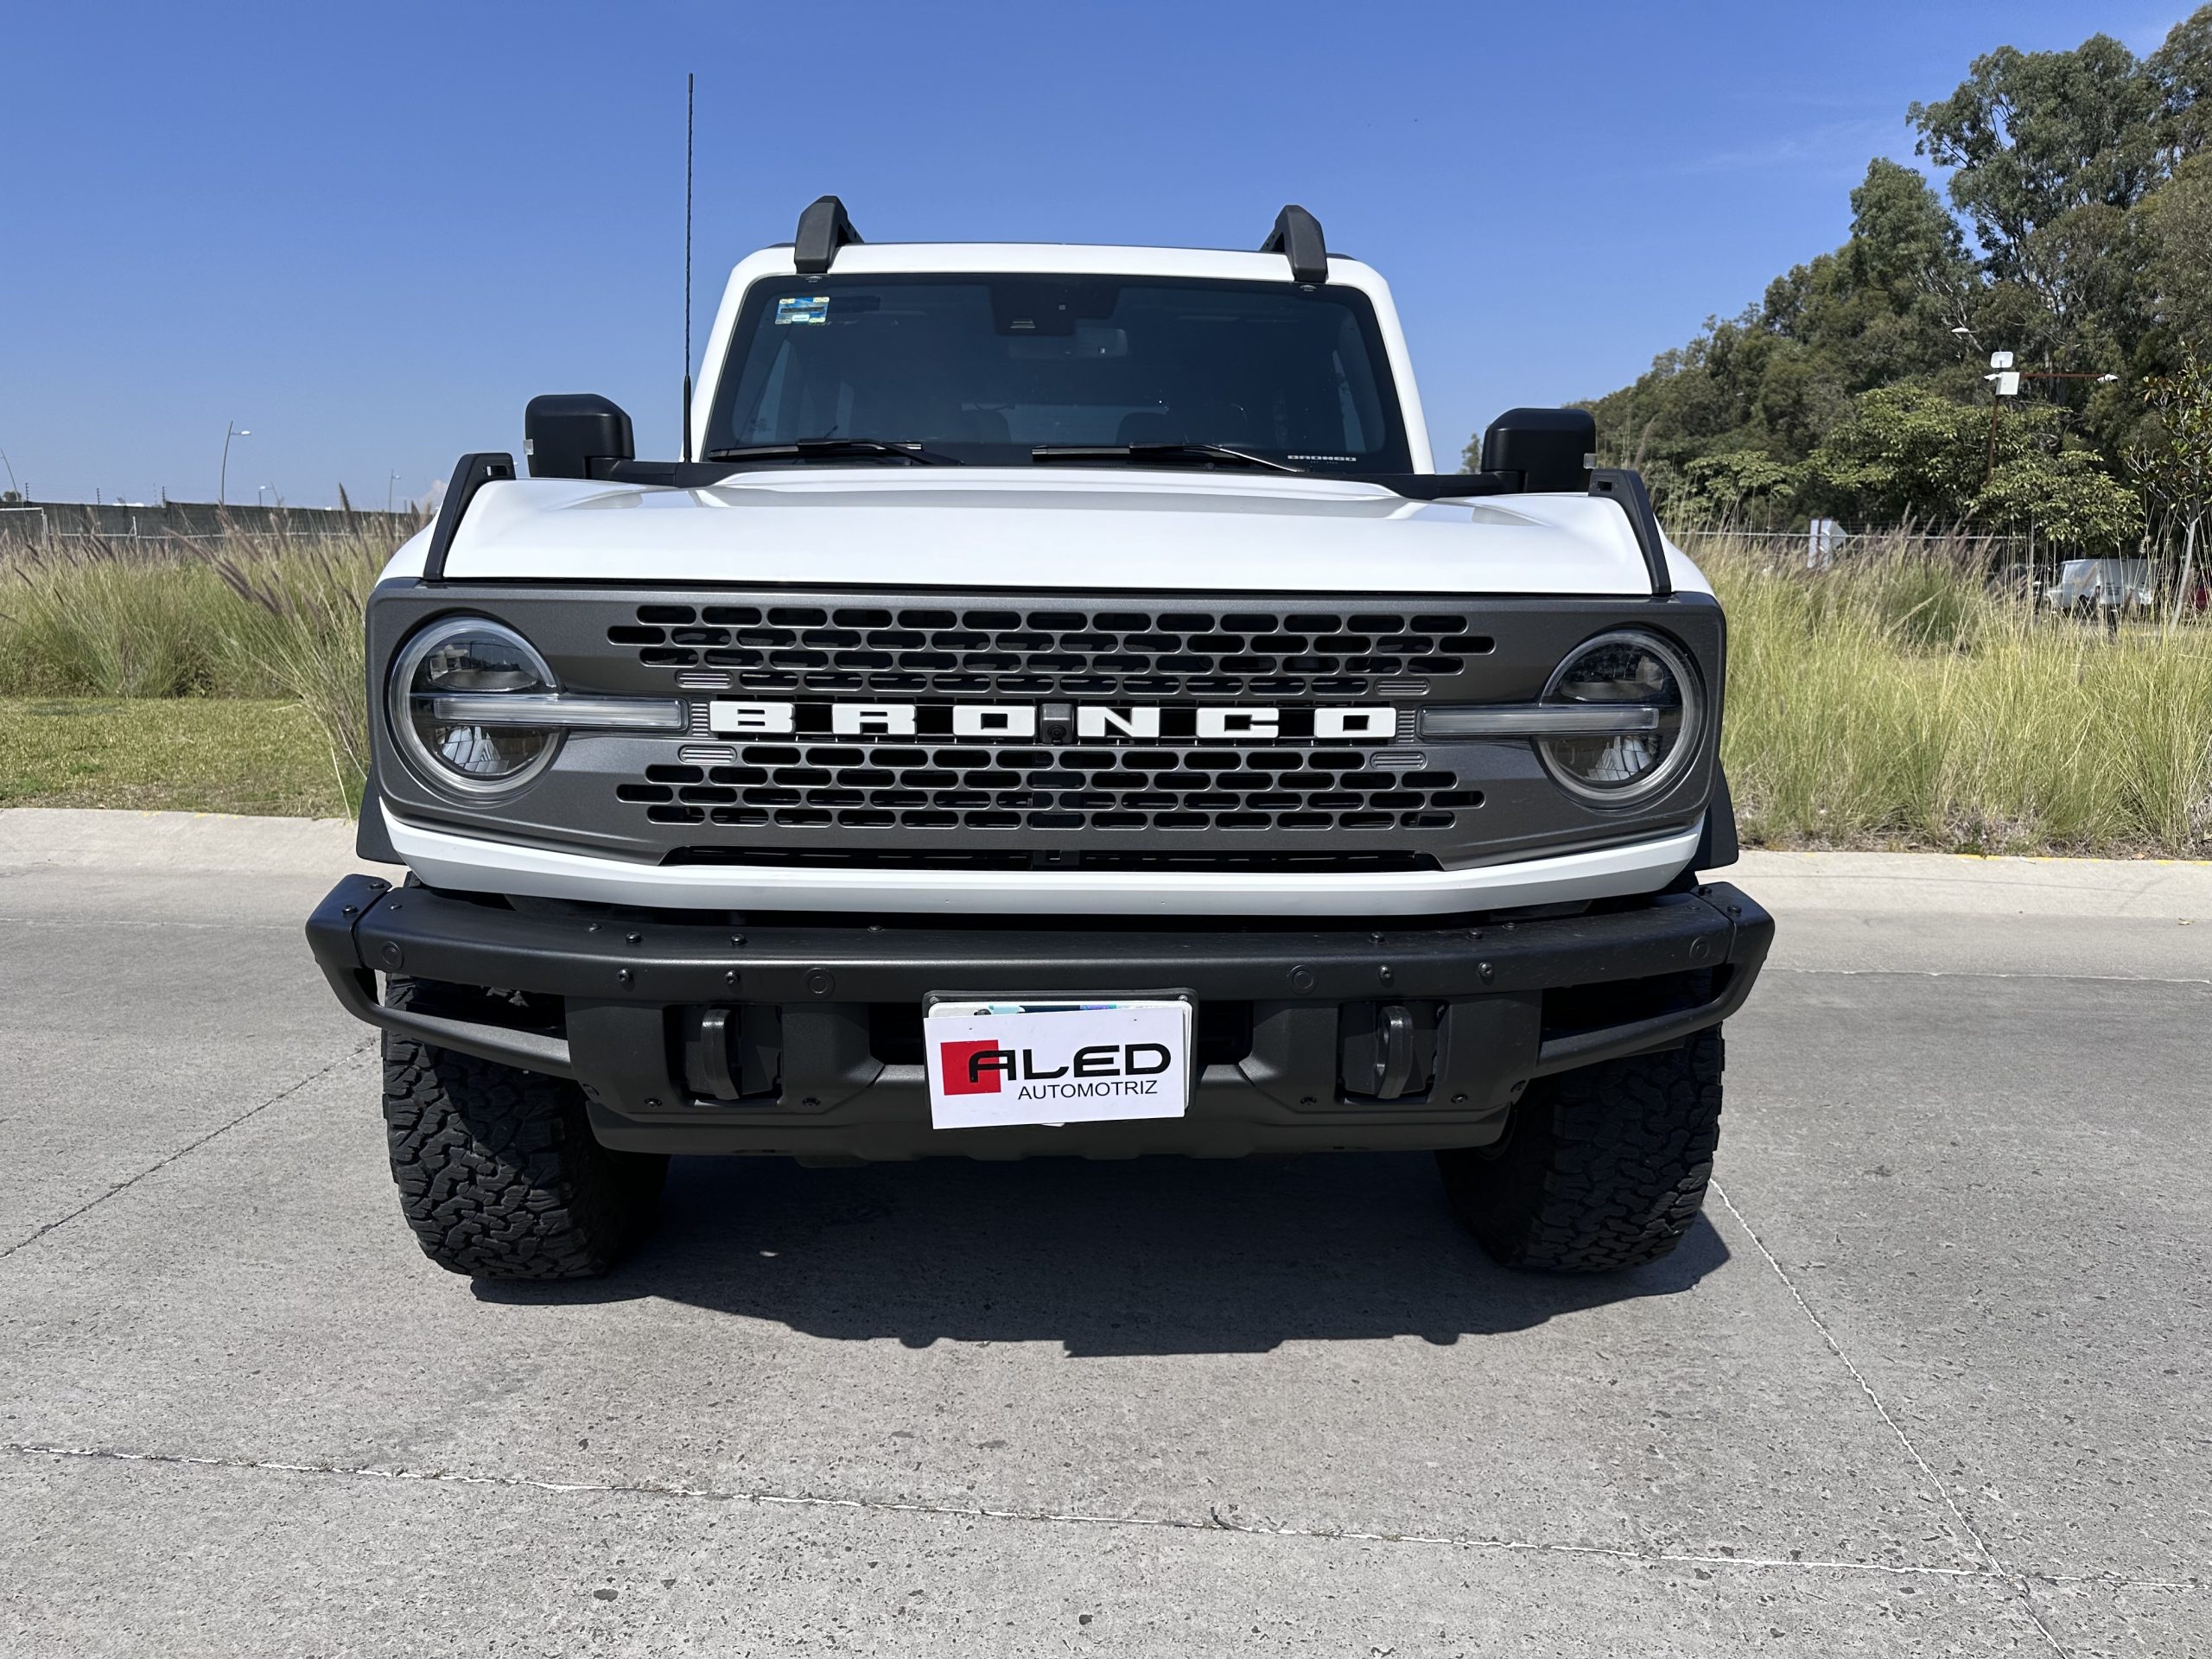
pixel 499 1173
pixel 1600 1169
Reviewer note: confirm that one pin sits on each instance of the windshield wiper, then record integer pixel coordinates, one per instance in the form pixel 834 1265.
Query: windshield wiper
pixel 1155 452
pixel 835 449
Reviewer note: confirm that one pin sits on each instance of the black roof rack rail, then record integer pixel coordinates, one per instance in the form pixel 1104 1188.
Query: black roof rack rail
pixel 823 228
pixel 1297 236
pixel 470 473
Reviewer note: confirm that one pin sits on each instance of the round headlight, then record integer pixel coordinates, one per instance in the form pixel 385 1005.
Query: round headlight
pixel 478 750
pixel 1653 685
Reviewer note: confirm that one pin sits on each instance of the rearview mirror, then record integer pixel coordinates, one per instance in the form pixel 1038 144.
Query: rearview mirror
pixel 568 434
pixel 1551 449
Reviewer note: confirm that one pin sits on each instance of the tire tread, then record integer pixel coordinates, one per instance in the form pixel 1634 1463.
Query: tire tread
pixel 499 1173
pixel 1606 1170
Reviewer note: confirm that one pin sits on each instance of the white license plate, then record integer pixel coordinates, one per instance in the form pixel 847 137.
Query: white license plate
pixel 1040 1062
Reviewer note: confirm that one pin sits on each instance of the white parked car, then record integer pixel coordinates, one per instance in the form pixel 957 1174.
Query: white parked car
pixel 2103 585
pixel 1054 706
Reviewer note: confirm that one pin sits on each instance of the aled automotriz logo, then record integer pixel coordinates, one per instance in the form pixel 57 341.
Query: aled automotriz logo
pixel 1054 722
pixel 1000 1063
pixel 985 1068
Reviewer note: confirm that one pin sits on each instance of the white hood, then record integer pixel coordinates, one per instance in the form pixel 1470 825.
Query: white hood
pixel 1094 529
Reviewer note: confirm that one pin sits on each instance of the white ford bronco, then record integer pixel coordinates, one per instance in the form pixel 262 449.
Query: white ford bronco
pixel 1054 706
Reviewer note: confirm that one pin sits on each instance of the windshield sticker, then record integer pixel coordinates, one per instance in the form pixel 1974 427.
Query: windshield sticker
pixel 813 307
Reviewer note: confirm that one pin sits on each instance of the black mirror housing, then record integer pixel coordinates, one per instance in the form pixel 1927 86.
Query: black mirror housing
pixel 1551 449
pixel 574 435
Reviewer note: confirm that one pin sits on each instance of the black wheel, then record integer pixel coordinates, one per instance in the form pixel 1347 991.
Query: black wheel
pixel 1600 1169
pixel 499 1173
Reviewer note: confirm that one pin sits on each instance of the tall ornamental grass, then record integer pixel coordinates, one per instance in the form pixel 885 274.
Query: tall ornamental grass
pixel 1896 699
pixel 251 616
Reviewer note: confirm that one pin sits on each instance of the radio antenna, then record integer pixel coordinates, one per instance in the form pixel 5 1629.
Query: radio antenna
pixel 690 82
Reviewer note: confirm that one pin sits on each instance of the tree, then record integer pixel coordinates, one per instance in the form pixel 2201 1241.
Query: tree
pixel 2182 70
pixel 1911 454
pixel 2175 465
pixel 1744 487
pixel 2176 227
pixel 2035 135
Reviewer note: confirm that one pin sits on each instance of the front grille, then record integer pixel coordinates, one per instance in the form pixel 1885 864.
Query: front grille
pixel 1060 787
pixel 885 787
pixel 1038 651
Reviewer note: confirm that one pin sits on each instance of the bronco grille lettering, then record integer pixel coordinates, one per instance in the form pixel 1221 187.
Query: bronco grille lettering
pixel 1367 723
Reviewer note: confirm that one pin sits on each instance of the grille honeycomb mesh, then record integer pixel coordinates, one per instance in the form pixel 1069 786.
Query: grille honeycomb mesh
pixel 1088 651
pixel 1081 788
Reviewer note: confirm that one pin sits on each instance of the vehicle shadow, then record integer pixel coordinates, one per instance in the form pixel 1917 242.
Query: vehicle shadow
pixel 1159 1256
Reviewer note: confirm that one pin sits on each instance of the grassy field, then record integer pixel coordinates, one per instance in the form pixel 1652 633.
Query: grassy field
pixel 1893 701
pixel 198 754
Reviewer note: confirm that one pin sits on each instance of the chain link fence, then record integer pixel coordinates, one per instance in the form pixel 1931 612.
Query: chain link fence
pixel 54 525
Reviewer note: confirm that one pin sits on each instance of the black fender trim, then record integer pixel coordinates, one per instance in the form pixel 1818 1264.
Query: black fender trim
pixel 470 473
pixel 1718 846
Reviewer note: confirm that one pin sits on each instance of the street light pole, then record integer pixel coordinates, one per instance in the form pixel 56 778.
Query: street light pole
pixel 223 480
pixel 2001 362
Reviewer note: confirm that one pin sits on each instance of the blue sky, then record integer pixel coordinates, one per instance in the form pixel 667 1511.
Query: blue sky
pixel 371 233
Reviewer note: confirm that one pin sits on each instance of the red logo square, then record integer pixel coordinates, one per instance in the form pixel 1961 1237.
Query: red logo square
pixel 960 1077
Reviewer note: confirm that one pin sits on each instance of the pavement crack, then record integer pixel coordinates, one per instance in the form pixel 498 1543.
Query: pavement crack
pixel 1212 1521
pixel 1997 1569
pixel 187 1148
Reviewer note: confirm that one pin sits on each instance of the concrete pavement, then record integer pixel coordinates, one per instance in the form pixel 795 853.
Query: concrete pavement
pixel 1928 1379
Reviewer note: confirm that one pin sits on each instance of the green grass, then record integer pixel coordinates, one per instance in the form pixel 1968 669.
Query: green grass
pixel 256 616
pixel 196 754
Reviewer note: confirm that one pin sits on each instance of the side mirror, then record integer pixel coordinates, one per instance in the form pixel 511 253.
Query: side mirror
pixel 567 434
pixel 1551 449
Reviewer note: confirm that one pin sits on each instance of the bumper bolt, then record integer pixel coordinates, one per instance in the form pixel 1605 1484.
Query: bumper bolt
pixel 637 939
pixel 622 976
pixel 737 939
pixel 730 978
pixel 1486 971
pixel 1384 975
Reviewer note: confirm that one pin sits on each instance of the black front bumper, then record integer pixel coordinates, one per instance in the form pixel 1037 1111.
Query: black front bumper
pixel 612 999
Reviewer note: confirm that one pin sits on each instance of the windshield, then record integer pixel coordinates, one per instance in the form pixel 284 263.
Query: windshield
pixel 986 369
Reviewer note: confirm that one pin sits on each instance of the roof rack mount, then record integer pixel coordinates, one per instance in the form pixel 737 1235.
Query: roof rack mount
pixel 823 228
pixel 1297 236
